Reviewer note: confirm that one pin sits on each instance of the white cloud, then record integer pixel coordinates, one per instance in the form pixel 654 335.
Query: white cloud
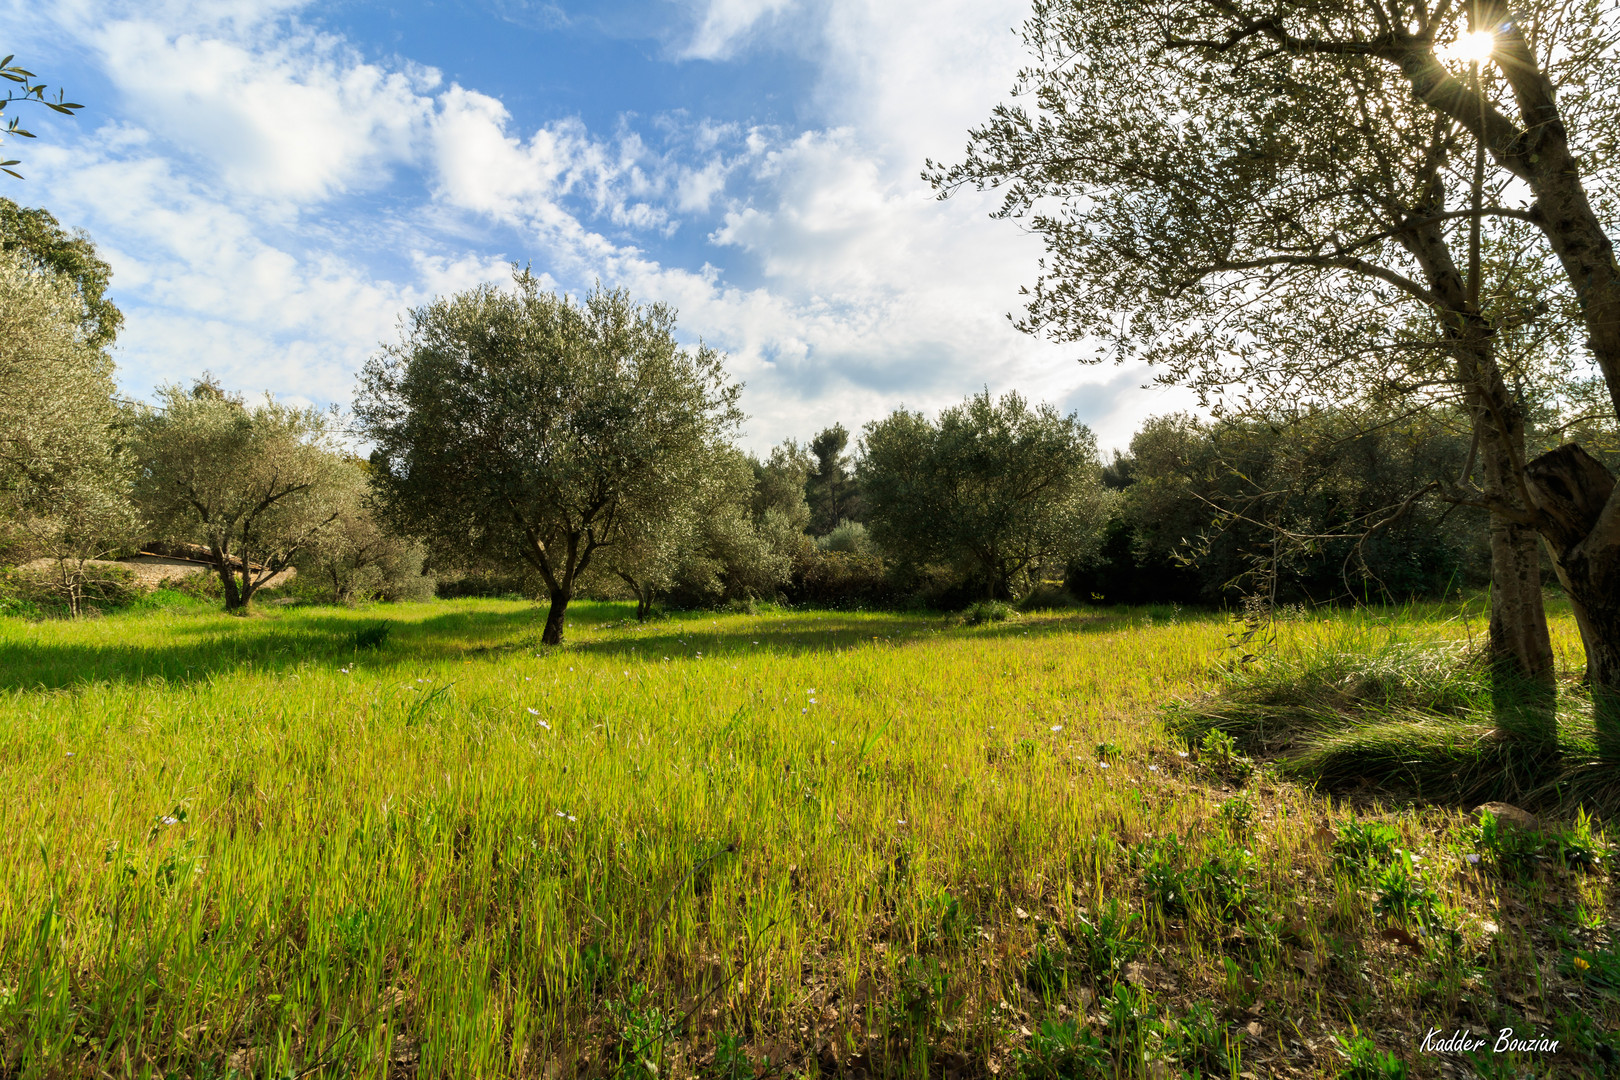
pixel 724 24
pixel 226 201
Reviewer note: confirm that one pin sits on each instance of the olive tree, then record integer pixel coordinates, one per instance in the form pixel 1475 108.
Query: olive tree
pixel 255 484
pixel 524 426
pixel 64 480
pixel 1302 201
pixel 993 487
pixel 34 234
pixel 358 557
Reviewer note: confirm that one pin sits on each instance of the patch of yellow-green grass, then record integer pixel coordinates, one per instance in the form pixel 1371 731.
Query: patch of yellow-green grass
pixel 843 843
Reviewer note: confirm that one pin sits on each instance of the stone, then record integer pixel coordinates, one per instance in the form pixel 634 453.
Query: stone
pixel 1509 814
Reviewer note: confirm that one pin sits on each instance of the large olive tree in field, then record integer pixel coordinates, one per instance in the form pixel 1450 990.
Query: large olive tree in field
pixel 521 425
pixel 254 484
pixel 994 487
pixel 64 479
pixel 1298 202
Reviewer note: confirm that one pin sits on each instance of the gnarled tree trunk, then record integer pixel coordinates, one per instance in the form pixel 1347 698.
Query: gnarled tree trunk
pixel 1523 674
pixel 555 615
pixel 1580 506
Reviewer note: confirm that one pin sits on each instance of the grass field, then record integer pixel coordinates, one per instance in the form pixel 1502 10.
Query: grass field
pixel 733 845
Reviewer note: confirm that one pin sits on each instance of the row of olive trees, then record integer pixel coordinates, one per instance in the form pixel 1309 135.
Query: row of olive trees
pixel 510 428
pixel 85 476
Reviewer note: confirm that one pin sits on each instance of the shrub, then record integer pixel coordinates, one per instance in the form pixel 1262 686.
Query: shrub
pixel 987 611
pixel 1048 596
pixel 848 537
pixel 43 590
pixel 841 579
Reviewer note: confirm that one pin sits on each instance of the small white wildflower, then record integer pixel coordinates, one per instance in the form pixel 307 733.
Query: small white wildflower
pixel 1057 727
pixel 528 678
pixel 1181 753
pixel 543 724
pixel 901 820
pixel 1153 768
pixel 343 670
pixel 1102 764
pixel 534 712
pixel 70 753
pixel 170 821
pixel 804 710
pixel 571 817
pixel 561 814
pixel 1472 857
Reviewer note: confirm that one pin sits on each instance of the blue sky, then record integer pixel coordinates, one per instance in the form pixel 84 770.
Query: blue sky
pixel 276 182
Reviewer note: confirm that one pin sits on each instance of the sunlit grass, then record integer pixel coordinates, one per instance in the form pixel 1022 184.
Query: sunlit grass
pixel 837 839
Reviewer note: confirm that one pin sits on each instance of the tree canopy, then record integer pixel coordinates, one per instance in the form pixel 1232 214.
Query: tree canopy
pixel 255 484
pixel 523 425
pixel 35 235
pixel 993 485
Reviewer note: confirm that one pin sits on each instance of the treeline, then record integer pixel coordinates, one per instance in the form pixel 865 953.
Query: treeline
pixel 527 442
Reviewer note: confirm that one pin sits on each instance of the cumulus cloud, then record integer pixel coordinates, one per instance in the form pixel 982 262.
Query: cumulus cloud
pixel 275 109
pixel 272 214
pixel 724 24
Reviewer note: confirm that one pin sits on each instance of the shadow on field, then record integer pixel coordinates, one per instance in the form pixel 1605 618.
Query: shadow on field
pixel 186 650
pixel 683 637
pixel 193 650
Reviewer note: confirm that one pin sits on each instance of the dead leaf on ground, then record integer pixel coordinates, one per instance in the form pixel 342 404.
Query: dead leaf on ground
pixel 1403 936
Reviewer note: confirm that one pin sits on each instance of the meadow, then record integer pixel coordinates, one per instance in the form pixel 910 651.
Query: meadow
pixel 727 845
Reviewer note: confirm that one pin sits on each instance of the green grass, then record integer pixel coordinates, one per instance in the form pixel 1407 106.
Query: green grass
pixel 296 844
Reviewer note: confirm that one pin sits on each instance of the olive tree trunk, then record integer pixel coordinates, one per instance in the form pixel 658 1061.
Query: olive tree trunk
pixel 555 616
pixel 1580 504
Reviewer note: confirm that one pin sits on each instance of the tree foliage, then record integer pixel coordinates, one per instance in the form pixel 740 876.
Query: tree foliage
pixel 37 236
pixel 994 487
pixel 1294 509
pixel 357 557
pixel 21 88
pixel 831 488
pixel 254 484
pixel 64 479
pixel 521 425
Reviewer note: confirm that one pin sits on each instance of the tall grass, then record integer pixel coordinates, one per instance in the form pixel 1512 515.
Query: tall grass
pixel 1391 698
pixel 253 842
pixel 839 843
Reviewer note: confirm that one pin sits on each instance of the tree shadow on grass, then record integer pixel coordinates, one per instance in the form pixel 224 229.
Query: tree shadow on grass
pixel 818 632
pixel 195 648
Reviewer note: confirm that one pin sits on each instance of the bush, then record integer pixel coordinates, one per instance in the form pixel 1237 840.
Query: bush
pixel 37 590
pixel 1048 596
pixel 987 611
pixel 841 579
pixel 849 537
